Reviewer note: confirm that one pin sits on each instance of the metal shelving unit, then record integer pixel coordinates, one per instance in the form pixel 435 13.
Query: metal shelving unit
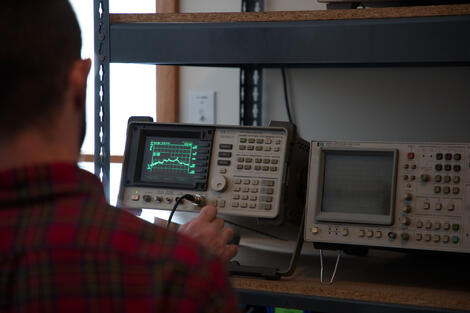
pixel 372 37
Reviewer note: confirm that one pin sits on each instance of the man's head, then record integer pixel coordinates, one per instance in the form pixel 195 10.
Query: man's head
pixel 40 47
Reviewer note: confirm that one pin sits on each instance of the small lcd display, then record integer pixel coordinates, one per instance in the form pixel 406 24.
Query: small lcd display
pixel 358 183
pixel 173 161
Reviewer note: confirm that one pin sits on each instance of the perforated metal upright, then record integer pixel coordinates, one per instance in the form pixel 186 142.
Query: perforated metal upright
pixel 102 109
pixel 251 80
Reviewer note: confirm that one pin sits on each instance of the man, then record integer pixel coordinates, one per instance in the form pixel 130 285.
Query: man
pixel 62 247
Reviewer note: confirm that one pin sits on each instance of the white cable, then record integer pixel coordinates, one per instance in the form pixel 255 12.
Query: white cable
pixel 334 271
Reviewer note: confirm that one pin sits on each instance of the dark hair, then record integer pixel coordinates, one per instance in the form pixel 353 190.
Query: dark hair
pixel 40 40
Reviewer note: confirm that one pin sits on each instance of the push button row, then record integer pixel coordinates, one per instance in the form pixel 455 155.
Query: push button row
pixel 260 140
pixel 259 148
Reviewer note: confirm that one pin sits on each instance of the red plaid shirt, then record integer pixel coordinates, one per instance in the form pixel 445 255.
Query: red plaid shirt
pixel 64 249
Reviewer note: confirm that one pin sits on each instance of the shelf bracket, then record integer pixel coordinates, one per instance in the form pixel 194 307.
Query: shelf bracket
pixel 102 109
pixel 251 80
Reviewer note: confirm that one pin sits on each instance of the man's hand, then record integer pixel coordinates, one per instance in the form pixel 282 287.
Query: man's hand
pixel 209 231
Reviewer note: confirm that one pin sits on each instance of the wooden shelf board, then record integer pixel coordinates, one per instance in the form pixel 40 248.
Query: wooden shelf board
pixel 294 16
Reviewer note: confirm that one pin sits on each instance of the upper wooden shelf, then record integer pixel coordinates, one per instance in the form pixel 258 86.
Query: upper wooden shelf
pixel 424 35
pixel 292 16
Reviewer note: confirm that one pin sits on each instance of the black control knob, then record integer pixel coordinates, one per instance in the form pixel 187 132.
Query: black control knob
pixel 147 198
pixel 407 197
pixel 392 235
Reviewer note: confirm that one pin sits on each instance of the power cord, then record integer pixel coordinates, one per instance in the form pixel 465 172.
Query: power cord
pixel 286 95
pixel 195 199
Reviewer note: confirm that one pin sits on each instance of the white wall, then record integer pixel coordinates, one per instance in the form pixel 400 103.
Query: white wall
pixel 428 104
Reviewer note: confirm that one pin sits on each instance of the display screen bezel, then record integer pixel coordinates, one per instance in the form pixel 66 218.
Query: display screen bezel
pixel 137 147
pixel 356 218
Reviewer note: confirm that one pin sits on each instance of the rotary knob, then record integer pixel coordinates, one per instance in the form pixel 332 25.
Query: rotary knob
pixel 405 221
pixel 219 183
pixel 406 209
pixel 407 196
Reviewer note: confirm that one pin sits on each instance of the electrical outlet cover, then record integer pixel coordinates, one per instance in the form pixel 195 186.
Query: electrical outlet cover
pixel 202 107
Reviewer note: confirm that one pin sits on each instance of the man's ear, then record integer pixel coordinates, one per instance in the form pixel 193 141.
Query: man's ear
pixel 78 80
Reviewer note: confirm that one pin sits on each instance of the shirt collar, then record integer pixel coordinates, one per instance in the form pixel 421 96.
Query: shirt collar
pixel 25 184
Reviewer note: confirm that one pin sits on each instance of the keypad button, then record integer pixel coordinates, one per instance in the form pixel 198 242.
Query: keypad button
pixel 265 168
pixel 235 204
pixel 456 179
pixel 457 156
pixel 222 204
pixel 437 189
pixel 438 167
pixel 135 197
pixel 447 179
pixel 259 148
pixel 446 190
pixel 242 147
pixel 267 148
pixel 260 140
pixel 253 198
pixel 457 168
pixel 448 167
pixel 223 171
pixel 439 156
pixel 455 239
pixel 237 181
pixel 274 161
pixel 268 183
pixel 244 197
pixel 277 141
pixel 450 207
pixel 419 237
pixel 428 225
pixel 236 196
pixel 266 161
pixel 277 149
pixel 265 206
pixel 255 182
pixel 267 191
pixel 455 227
pixel 246 181
pixel 239 166
pixel 257 168
pixel 241 160
pixel 226 146
pixel 438 178
pixel 269 141
pixel 223 154
pixel 266 198
pixel 456 190
pixel 273 168
pixel 223 162
pixel 247 167
pixel 427 237
pixel 252 205
pixel 254 190
pixel 250 148
pixel 242 140
pixel 419 224
pixel 438 206
pixel 249 160
pixel 251 140
pixel 448 156
pixel 446 226
pixel 445 239
pixel 236 189
pixel 245 189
